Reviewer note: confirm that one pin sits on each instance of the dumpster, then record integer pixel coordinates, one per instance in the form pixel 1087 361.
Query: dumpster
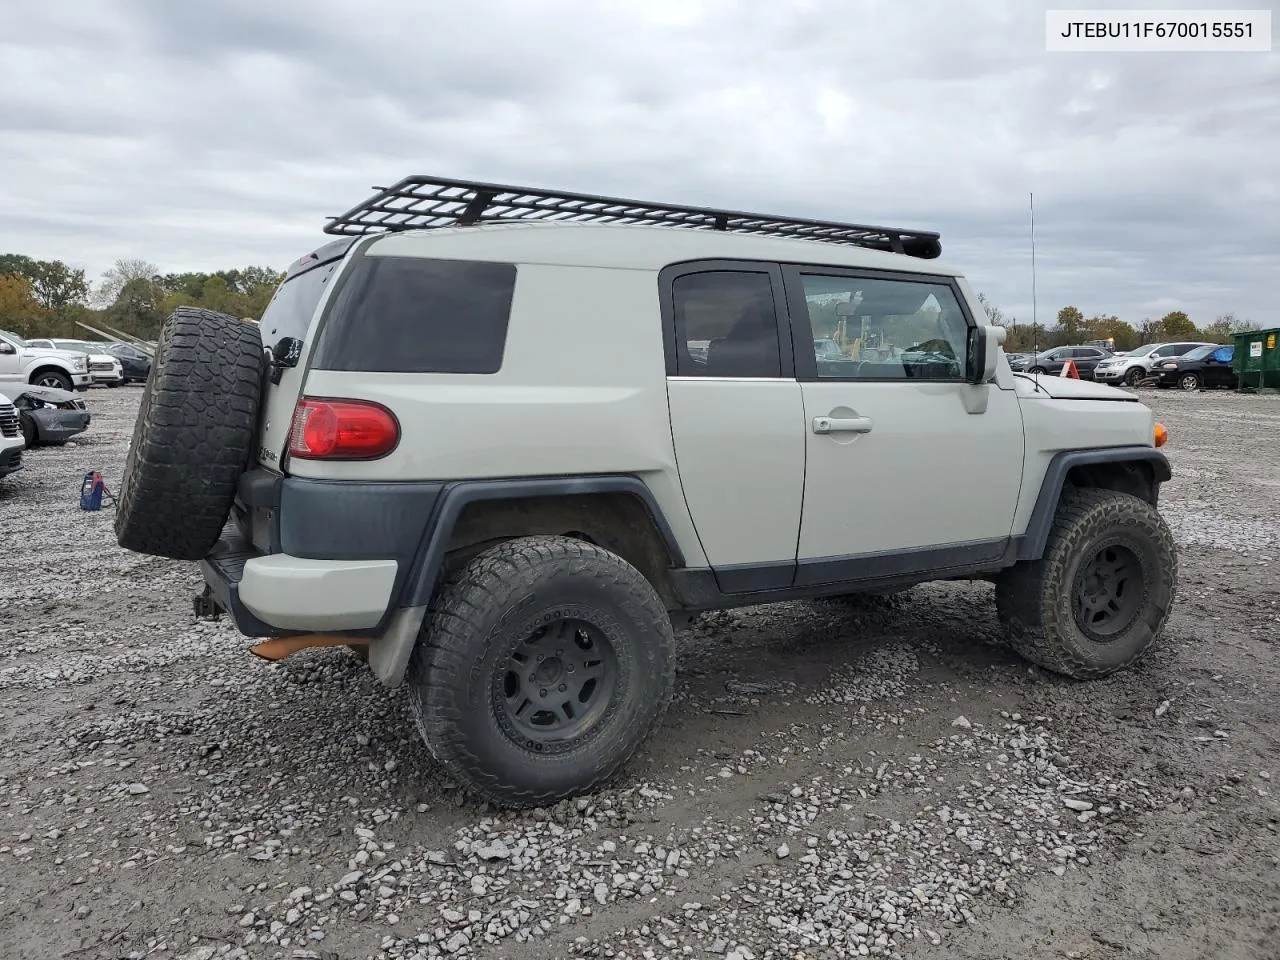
pixel 1257 360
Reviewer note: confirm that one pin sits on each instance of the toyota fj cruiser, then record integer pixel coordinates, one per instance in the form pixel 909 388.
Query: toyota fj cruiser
pixel 507 439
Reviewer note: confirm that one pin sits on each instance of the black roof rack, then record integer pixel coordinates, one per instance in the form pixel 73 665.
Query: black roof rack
pixel 420 202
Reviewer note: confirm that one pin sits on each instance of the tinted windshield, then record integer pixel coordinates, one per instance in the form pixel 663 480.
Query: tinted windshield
pixel 13 338
pixel 1199 353
pixel 1140 352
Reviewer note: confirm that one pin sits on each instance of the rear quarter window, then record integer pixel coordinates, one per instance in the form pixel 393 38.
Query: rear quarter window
pixel 415 315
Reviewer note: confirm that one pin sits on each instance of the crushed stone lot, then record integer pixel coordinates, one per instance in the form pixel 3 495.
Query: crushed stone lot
pixel 835 779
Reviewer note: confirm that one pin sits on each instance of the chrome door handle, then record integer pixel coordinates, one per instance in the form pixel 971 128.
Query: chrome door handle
pixel 841 424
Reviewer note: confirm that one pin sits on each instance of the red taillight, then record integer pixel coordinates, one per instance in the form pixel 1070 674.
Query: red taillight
pixel 342 430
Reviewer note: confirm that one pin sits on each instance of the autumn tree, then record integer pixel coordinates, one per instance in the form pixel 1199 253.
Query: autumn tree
pixel 54 285
pixel 1103 327
pixel 19 310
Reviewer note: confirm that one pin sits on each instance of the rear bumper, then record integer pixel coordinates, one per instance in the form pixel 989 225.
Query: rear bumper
pixel 267 594
pixel 311 556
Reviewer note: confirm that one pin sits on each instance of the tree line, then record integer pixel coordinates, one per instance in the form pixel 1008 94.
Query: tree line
pixel 1072 327
pixel 48 298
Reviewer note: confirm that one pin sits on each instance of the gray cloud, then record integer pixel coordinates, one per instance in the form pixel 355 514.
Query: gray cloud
pixel 201 135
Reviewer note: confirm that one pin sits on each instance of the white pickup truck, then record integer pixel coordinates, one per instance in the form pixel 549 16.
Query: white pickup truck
pixel 22 363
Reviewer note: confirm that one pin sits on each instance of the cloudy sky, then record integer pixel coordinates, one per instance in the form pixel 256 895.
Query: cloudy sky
pixel 220 133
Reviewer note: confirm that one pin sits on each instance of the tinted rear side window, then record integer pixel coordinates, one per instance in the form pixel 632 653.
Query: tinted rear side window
pixel 411 315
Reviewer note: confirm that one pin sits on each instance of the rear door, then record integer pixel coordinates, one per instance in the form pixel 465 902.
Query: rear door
pixel 737 417
pixel 1087 360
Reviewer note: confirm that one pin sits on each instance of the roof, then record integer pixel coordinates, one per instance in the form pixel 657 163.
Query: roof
pixel 632 247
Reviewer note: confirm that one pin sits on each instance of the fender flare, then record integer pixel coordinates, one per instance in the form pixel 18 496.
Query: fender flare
pixel 456 496
pixel 1031 544
pixel 389 652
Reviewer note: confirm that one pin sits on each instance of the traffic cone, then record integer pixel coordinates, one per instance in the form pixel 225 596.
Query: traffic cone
pixel 1069 370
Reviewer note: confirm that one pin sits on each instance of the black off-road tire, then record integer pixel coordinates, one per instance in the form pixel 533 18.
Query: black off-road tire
pixel 1036 600
pixel 30 435
pixel 459 674
pixel 196 425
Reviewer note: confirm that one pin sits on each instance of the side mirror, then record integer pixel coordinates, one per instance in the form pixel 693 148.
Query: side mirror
pixel 7 347
pixel 983 353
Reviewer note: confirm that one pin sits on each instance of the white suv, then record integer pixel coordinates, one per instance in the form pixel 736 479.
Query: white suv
pixel 506 459
pixel 1136 365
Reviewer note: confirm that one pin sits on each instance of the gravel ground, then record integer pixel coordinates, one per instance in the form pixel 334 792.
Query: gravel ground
pixel 836 779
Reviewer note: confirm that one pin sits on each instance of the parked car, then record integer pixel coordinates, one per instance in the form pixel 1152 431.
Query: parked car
pixel 136 363
pixel 432 470
pixel 49 416
pixel 1203 368
pixel 1137 365
pixel 11 442
pixel 1052 361
pixel 103 367
pixel 20 362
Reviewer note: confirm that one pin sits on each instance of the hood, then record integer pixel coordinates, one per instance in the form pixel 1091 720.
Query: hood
pixel 47 394
pixel 71 356
pixel 1069 388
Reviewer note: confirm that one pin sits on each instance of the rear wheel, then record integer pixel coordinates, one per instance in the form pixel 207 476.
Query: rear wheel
pixel 1102 592
pixel 1189 381
pixel 544 665
pixel 30 436
pixel 1041 371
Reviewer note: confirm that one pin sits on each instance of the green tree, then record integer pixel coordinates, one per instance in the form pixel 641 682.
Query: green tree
pixel 137 309
pixel 1071 322
pixel 1176 325
pixel 120 275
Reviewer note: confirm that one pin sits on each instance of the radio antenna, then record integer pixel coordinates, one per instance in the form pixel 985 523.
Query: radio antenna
pixel 1035 340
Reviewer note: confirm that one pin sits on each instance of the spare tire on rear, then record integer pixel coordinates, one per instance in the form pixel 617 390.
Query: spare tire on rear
pixel 194 435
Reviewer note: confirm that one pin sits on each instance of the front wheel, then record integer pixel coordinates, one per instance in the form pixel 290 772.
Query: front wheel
pixel 1135 376
pixel 543 666
pixel 53 378
pixel 1040 371
pixel 1102 592
pixel 1189 381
